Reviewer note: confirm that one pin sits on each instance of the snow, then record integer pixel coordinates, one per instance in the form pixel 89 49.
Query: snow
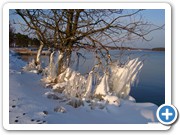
pixel 32 103
pixel 112 100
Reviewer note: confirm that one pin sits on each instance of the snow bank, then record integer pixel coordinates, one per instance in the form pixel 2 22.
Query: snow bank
pixel 15 63
pixel 112 100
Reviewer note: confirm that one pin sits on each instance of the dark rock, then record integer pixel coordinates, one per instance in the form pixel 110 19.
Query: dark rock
pixel 75 102
pixel 53 96
pixel 45 112
pixel 60 109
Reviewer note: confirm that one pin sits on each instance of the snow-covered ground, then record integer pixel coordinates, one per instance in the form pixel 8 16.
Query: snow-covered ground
pixel 31 103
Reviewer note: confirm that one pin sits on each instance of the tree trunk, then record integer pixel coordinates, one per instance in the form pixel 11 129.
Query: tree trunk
pixel 68 57
pixel 64 57
pixel 52 68
pixel 63 61
pixel 37 61
pixel 60 63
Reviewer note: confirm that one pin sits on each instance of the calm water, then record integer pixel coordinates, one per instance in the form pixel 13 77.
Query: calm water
pixel 151 86
pixel 151 80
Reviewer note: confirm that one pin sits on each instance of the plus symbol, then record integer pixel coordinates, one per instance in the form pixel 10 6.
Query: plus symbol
pixel 167 114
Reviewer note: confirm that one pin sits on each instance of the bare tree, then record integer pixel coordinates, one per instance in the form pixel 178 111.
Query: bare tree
pixel 66 29
pixel 31 18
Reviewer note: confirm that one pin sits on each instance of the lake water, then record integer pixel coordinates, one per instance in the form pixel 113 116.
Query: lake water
pixel 151 80
pixel 151 86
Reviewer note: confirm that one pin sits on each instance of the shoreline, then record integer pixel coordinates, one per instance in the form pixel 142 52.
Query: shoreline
pixel 28 51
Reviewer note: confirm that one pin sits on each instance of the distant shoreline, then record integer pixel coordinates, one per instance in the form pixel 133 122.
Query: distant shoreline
pixel 28 51
pixel 142 49
pixel 128 48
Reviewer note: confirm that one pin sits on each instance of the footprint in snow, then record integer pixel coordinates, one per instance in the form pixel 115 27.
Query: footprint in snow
pixel 19 117
pixel 13 106
pixel 38 121
pixel 16 121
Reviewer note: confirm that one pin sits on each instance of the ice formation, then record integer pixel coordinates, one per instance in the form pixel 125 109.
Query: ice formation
pixel 89 85
pixel 112 86
pixel 123 77
pixel 32 67
pixel 72 83
pixel 52 68
pixel 103 86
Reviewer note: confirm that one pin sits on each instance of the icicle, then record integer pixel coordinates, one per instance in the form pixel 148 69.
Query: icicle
pixel 125 91
pixel 136 73
pixel 132 72
pixel 73 75
pixel 88 85
pixel 122 77
pixel 107 83
pixel 52 68
pixel 68 73
pixel 61 77
pixel 60 56
pixel 65 76
pixel 39 53
pixel 102 87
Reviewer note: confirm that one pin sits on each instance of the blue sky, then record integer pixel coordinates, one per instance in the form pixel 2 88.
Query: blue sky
pixel 155 16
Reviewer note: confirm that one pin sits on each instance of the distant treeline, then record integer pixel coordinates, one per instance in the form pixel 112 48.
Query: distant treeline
pixel 130 48
pixel 158 49
pixel 20 40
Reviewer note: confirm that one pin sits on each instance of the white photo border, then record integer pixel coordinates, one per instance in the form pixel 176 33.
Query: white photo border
pixel 117 5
